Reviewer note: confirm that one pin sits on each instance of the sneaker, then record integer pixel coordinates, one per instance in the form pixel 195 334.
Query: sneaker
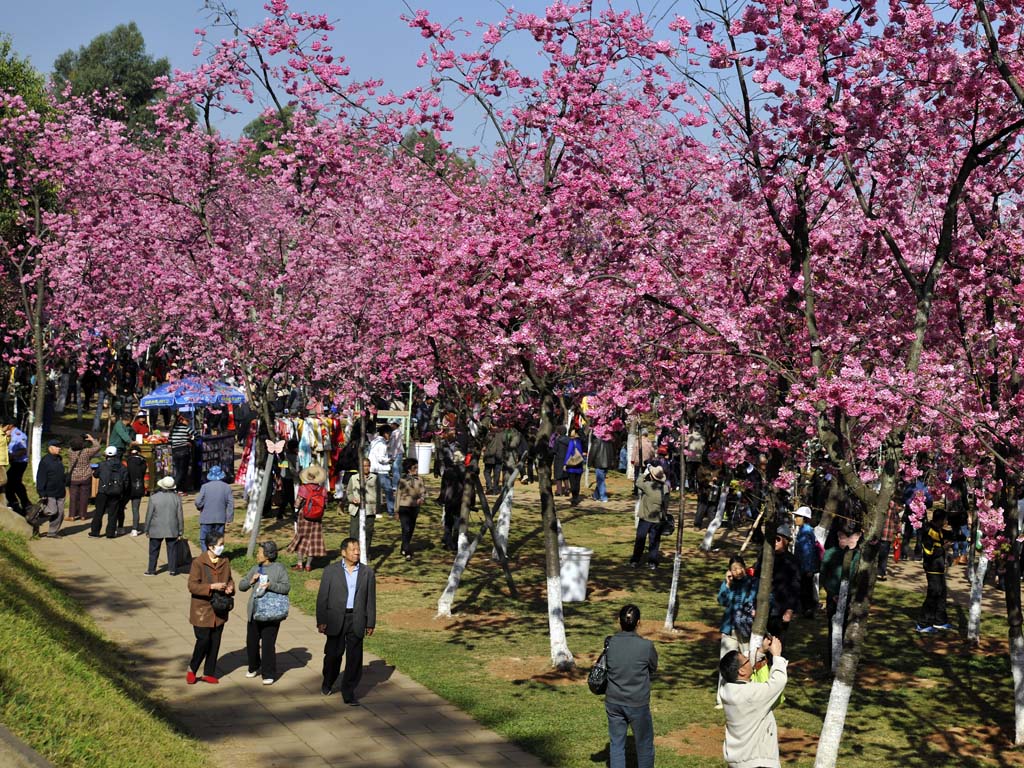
pixel 925 630
pixel 631 564
pixel 652 566
pixel 190 678
pixel 268 681
pixel 135 532
pixel 942 626
pixel 149 573
pixel 325 690
pixel 882 577
pixel 252 673
pixel 210 679
pixel 94 536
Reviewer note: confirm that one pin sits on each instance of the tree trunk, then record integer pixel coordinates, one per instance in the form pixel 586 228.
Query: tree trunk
pixel 974 615
pixel 561 657
pixel 837 623
pixel 466 545
pixel 764 591
pixel 861 588
pixel 716 521
pixel 39 394
pixel 677 561
pixel 502 523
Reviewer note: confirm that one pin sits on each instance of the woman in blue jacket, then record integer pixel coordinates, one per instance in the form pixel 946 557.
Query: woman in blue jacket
pixel 575 459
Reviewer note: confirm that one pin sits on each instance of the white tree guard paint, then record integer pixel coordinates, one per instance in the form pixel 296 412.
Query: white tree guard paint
pixel 673 592
pixel 363 554
pixel 561 537
pixel 636 514
pixel 716 521
pixel 467 547
pixel 252 507
pixel 974 614
pixel 502 523
pixel 560 654
pixel 837 623
pixel 832 728
pixel 755 645
pixel 36 448
pixel 1017 669
pixel 630 452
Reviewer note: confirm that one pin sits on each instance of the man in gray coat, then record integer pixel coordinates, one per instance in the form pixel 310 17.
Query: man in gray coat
pixel 346 611
pixel 216 505
pixel 631 661
pixel 165 521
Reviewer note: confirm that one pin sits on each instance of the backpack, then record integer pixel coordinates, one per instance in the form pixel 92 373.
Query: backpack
pixel 311 506
pixel 116 480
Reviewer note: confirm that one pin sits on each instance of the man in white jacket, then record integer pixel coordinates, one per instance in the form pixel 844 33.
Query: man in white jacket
pixel 751 736
pixel 380 465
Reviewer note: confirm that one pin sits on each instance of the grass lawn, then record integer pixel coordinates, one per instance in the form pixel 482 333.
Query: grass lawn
pixel 919 702
pixel 64 689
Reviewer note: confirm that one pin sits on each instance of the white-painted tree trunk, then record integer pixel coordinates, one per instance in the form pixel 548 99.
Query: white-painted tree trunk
pixel 363 553
pixel 97 420
pixel 502 523
pixel 837 623
pixel 630 452
pixel 1017 670
pixel 253 508
pixel 636 514
pixel 756 639
pixel 560 655
pixel 673 592
pixel 36 448
pixel 467 547
pixel 974 614
pixel 832 728
pixel 716 521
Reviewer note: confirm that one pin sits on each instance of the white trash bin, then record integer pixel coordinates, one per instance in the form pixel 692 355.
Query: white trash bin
pixel 424 456
pixel 575 571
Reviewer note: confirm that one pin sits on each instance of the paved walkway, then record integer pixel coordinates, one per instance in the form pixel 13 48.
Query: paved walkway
pixel 289 724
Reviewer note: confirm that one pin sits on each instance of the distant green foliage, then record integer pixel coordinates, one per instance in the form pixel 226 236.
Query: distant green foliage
pixel 114 62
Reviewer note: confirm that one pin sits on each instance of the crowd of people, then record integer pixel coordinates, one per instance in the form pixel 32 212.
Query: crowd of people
pixel 384 482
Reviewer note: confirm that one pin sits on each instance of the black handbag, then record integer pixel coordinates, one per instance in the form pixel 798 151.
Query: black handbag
pixel 221 602
pixel 667 526
pixel 184 561
pixel 597 679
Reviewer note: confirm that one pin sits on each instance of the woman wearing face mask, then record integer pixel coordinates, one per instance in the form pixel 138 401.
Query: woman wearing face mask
pixel 211 572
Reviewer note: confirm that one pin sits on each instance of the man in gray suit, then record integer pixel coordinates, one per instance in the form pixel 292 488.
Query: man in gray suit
pixel 631 662
pixel 346 611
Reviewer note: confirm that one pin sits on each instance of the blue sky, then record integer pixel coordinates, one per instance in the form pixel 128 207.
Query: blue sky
pixel 370 34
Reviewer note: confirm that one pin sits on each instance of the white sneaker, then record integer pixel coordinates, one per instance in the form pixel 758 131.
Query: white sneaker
pixel 252 674
pixel 135 532
pixel 268 681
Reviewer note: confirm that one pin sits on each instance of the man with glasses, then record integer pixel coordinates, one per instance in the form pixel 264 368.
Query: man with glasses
pixel 751 735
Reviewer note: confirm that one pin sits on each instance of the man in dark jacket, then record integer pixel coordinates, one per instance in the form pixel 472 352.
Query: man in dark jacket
pixel 346 611
pixel 50 485
pixel 602 458
pixel 631 661
pixel 933 544
pixel 113 480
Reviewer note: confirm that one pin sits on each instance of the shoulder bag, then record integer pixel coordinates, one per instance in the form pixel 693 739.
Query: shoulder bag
pixel 597 680
pixel 221 602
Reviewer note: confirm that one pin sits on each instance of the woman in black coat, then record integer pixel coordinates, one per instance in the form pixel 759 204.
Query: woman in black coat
pixel 136 483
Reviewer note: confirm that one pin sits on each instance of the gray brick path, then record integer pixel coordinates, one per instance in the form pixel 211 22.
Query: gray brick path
pixel 289 724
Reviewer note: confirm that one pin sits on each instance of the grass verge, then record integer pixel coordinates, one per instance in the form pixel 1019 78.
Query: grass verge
pixel 64 689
